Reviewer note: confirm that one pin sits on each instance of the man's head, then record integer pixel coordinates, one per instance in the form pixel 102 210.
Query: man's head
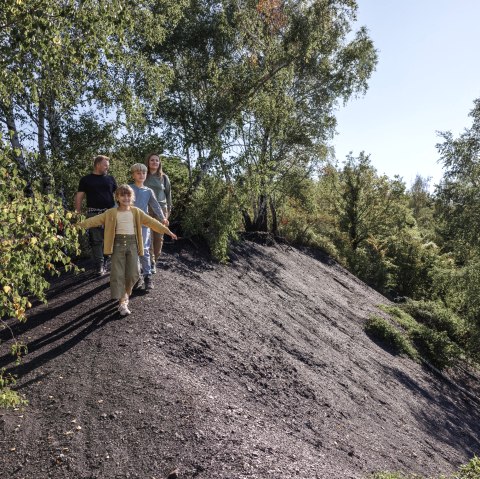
pixel 139 173
pixel 101 164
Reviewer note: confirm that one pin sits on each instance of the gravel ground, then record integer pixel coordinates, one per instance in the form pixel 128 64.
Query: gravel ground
pixel 255 369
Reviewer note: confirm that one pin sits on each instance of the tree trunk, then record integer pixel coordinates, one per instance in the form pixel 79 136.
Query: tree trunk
pixel 261 215
pixel 273 212
pixel 9 118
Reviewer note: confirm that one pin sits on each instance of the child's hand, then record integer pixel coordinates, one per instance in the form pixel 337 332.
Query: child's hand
pixel 173 236
pixel 166 222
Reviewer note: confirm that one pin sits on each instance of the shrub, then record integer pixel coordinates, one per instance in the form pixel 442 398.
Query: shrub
pixel 437 317
pixel 213 214
pixel 435 346
pixel 394 475
pixel 36 241
pixel 382 330
pixel 400 316
pixel 470 470
pixel 432 344
pixel 9 398
pixel 296 229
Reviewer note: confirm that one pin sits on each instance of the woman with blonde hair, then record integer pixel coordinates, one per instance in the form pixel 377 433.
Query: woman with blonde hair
pixel 159 182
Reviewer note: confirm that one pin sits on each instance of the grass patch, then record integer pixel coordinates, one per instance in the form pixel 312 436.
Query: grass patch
pixel 429 329
pixel 471 470
pixel 385 332
pixel 436 316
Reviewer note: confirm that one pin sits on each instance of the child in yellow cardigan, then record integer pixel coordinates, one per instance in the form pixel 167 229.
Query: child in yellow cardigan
pixel 123 240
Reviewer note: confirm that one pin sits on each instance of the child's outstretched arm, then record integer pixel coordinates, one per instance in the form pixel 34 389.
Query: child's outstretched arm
pixel 156 225
pixel 92 222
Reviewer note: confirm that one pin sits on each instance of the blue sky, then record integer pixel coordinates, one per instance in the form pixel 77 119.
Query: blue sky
pixel 427 77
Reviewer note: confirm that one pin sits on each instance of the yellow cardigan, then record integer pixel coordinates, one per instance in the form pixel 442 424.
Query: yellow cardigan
pixel 109 220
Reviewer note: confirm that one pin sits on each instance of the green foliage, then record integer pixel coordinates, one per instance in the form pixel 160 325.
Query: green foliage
pixel 299 221
pixel 394 475
pixel 400 317
pixel 8 397
pixel 382 330
pixel 411 261
pixel 374 229
pixel 458 199
pixel 370 263
pixel 213 214
pixel 36 240
pixel 471 470
pixel 436 347
pixel 438 317
pixel 428 327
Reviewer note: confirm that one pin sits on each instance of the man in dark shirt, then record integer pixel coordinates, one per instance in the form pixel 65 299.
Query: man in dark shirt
pixel 98 187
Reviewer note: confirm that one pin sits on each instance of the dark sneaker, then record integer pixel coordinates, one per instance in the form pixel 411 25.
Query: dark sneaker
pixel 153 268
pixel 100 271
pixel 148 283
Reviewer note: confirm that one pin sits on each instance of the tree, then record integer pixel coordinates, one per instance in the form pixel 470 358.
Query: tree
pixel 57 56
pixel 458 195
pixel 458 218
pixel 421 203
pixel 227 55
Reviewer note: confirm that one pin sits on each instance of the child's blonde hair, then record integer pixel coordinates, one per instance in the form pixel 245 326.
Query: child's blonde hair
pixel 138 167
pixel 122 189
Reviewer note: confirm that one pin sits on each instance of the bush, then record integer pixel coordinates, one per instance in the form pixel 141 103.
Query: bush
pixel 400 317
pixel 370 264
pixel 213 215
pixel 435 346
pixel 470 470
pixel 9 398
pixel 394 475
pixel 296 229
pixel 438 317
pixel 36 241
pixel 382 330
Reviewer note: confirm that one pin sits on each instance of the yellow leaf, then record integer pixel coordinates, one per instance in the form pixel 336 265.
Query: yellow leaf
pixel 7 289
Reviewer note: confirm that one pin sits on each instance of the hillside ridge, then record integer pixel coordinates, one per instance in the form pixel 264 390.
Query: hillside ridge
pixel 255 369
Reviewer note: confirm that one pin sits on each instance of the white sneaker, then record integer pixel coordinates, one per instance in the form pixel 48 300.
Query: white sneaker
pixel 123 309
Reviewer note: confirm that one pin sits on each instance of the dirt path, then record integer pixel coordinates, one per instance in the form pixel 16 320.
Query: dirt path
pixel 258 369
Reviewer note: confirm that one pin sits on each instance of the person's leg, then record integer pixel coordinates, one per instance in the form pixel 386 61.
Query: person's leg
pixel 145 259
pixel 117 272
pixel 157 243
pixel 95 236
pixel 155 246
pixel 131 267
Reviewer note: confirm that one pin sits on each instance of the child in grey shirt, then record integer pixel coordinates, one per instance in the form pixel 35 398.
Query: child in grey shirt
pixel 145 198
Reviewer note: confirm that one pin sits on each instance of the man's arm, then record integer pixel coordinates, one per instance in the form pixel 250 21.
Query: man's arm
pixel 78 201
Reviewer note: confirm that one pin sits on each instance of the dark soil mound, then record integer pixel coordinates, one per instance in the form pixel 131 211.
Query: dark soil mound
pixel 258 369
